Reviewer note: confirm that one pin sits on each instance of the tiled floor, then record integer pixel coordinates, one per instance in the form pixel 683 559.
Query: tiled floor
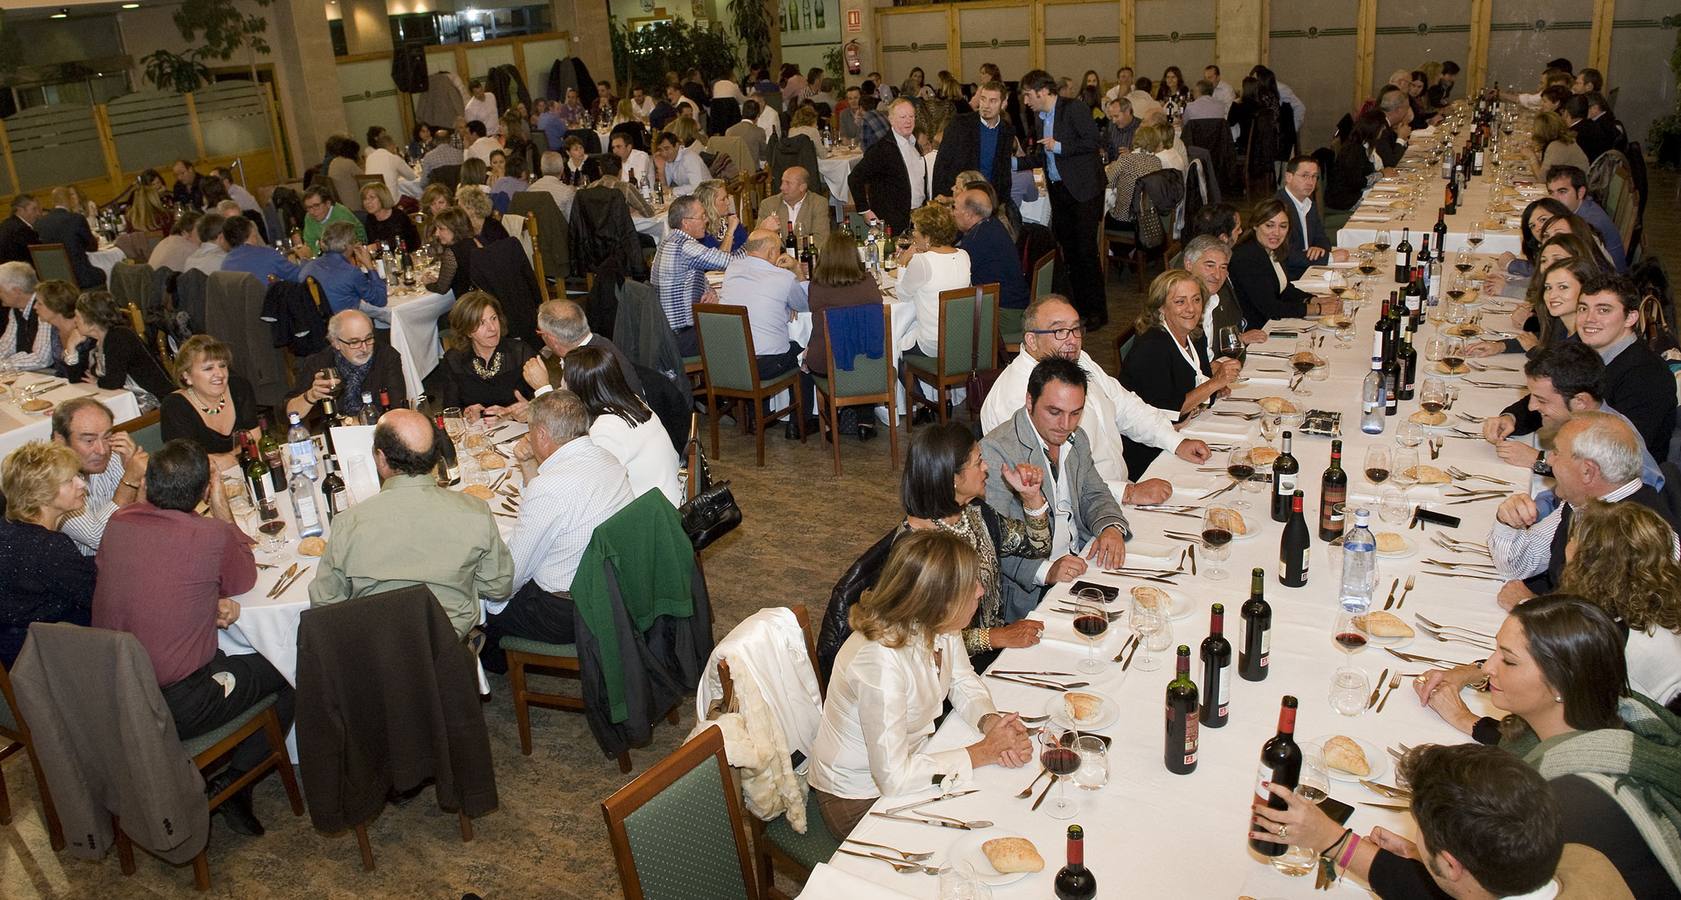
pixel 802 528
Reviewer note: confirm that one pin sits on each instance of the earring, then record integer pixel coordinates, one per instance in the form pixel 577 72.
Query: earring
pixel 1557 699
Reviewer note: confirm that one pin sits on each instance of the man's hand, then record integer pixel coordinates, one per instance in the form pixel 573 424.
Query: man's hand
pixel 1484 348
pixel 216 498
pixel 1254 336
pixel 1193 450
pixel 1110 548
pixel 1142 493
pixel 1517 453
pixel 473 412
pixel 1504 260
pixel 773 222
pixel 1048 143
pixel 518 410
pixel 523 451
pixel 227 612
pixel 536 373
pixel 1339 255
pixel 134 459
pixel 319 389
pixel 1512 594
pixel 1316 253
pixel 1067 568
pixel 1499 428
pixel 1517 511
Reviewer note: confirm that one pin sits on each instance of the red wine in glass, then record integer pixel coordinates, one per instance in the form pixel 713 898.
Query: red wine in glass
pixel 1240 471
pixel 1350 640
pixel 1382 247
pixel 1091 626
pixel 1453 362
pixel 1060 760
pixel 1216 537
pixel 1303 366
pixel 1432 406
pixel 1456 294
pixel 1367 269
pixel 1463 267
pixel 1377 476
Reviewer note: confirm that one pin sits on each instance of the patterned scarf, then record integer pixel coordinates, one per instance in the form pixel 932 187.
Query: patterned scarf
pixel 354 377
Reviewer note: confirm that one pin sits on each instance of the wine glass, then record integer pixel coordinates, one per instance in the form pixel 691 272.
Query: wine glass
pixel 1351 688
pixel 274 534
pixel 1434 396
pixel 1058 756
pixel 1094 762
pixel 1303 361
pixel 1228 342
pixel 329 374
pixel 1216 534
pixel 1091 621
pixel 1404 466
pixel 1410 434
pixel 1378 464
pixel 1475 235
pixel 1314 783
pixel 1147 621
pixel 454 423
pixel 1242 471
pixel 1382 243
pixel 1392 505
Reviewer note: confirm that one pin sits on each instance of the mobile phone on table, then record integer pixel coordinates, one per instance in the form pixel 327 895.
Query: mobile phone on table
pixel 1110 592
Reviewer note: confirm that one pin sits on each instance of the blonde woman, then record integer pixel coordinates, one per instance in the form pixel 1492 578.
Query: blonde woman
pixel 892 677
pixel 1555 144
pixel 931 264
pixel 1174 372
pixel 1620 557
pixel 386 223
pixel 473 200
pixel 721 218
pixel 213 405
pixel 43 577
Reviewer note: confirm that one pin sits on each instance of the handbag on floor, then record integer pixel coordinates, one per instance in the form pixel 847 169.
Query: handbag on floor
pixel 711 511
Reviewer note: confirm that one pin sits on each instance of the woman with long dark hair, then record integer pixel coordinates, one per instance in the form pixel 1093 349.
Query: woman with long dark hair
pixel 622 424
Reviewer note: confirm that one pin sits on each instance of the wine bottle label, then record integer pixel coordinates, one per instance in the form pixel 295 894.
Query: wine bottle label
pixel 1266 645
pixel 1286 484
pixel 1263 777
pixel 1225 689
pixel 1192 724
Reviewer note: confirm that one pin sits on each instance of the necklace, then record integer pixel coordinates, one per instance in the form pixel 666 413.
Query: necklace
pixel 490 371
pixel 203 405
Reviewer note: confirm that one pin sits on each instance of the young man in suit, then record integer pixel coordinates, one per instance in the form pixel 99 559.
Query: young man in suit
pixel 1066 144
pixel 982 140
pixel 808 213
pixel 889 180
pixel 18 231
pixel 1309 245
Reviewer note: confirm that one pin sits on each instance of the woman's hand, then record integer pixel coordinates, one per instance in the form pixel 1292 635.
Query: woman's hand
pixel 1025 633
pixel 1027 481
pixel 1005 742
pixel 1494 283
pixel 473 412
pixel 1484 348
pixel 1301 823
pixel 1440 692
pixel 1527 341
pixel 1226 371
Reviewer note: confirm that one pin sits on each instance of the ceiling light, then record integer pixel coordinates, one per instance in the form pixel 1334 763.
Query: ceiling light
pixel 131 6
pixel 63 13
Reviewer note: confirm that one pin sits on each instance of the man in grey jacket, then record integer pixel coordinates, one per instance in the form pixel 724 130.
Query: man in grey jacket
pixel 1084 514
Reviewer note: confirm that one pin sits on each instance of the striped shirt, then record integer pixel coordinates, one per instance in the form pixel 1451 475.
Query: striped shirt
pixel 1523 552
pixel 679 271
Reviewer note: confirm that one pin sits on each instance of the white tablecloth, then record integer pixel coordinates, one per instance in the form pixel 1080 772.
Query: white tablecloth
pixel 106 258
pixel 18 427
pixel 835 168
pixel 1185 836
pixel 414 333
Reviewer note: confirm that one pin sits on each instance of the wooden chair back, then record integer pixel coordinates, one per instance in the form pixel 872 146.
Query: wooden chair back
pixel 52 262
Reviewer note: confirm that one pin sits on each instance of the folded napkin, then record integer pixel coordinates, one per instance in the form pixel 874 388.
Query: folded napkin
pixel 1217 429
pixel 827 882
pixel 1146 552
pixel 1187 487
pixel 1368 217
pixel 1425 132
pixel 1282 380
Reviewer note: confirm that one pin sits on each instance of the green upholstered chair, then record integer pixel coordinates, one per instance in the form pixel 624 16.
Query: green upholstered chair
pixel 52 261
pixel 146 429
pixel 1040 286
pixel 14 738
pixel 678 831
pixel 960 352
pixel 1044 276
pixel 731 372
pixel 870 381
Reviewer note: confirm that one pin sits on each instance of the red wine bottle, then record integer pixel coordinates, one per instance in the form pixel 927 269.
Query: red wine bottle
pixel 1216 654
pixel 1281 764
pixel 1333 496
pixel 1293 549
pixel 1180 753
pixel 1074 881
pixel 1252 657
pixel 1284 471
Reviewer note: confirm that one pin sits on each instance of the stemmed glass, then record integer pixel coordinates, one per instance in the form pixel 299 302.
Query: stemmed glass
pixel 1147 621
pixel 1475 235
pixel 1242 470
pixel 1303 361
pixel 1058 756
pixel 1434 396
pixel 1382 243
pixel 1350 686
pixel 1404 468
pixel 1216 534
pixel 329 374
pixel 1378 465
pixel 1315 781
pixel 1228 342
pixel 1091 621
pixel 454 424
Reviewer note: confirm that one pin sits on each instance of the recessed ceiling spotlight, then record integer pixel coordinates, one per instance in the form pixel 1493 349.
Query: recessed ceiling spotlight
pixel 63 13
pixel 131 6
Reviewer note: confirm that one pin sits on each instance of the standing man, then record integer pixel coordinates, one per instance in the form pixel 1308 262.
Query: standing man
pixel 62 225
pixel 891 178
pixel 481 108
pixel 1067 144
pixel 749 133
pixel 1222 92
pixel 809 215
pixel 1309 246
pixel 18 231
pixel 981 140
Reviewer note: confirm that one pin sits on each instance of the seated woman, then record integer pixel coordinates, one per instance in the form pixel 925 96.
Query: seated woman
pixel 1355 167
pixel 1619 558
pixel 1555 144
pixel 715 200
pixel 1510 277
pixel 454 233
pixel 481 212
pixel 56 307
pixel 213 404
pixel 804 121
pixel 1257 274
pixel 578 169
pixel 1529 315
pixel 43 577
pixel 944 489
pixel 1124 171
pixel 483 364
pixel 386 224
pixel 475 172
pixel 931 264
pixel 1168 366
pixel 118 358
pixel 892 678
pixel 622 424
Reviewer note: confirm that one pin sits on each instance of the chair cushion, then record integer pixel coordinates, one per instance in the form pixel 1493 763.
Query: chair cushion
pixel 682 841
pixel 919 361
pixel 209 739
pixel 867 377
pixel 538 648
pixel 815 846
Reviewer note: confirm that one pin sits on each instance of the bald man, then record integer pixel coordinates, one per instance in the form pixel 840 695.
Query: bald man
pixel 808 212
pixel 768 282
pixel 414 532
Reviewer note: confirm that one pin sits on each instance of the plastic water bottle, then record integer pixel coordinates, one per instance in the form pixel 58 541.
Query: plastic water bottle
pixel 302 447
pixel 1373 396
pixel 1359 565
pixel 304 508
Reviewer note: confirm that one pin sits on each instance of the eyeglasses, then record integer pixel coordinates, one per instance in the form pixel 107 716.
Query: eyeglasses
pixel 1061 334
pixel 356 343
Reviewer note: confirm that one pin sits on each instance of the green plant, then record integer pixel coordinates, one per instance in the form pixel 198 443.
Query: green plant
pixel 226 30
pixel 834 62
pixel 173 71
pixel 754 23
pixel 643 56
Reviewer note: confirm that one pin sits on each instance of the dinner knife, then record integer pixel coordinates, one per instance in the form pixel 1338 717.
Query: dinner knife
pixel 943 823
pixel 1393 793
pixel 1048 687
pixel 899 809
pixel 1400 807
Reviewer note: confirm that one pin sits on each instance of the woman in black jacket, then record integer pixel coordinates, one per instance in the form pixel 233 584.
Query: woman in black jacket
pixel 1168 365
pixel 1258 277
pixel 454 231
pixel 118 358
pixel 1355 165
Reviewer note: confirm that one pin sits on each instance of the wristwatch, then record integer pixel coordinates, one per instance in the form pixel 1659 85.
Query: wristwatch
pixel 1541 467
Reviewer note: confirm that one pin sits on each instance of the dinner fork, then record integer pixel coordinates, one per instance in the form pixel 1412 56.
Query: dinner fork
pixel 1405 590
pixel 1441 627
pixel 1394 682
pixel 1247 417
pixel 903 868
pixel 1443 638
pixel 1475 420
pixel 909 856
pixel 1457 472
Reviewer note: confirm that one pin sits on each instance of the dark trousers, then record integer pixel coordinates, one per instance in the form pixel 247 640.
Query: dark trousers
pixel 776 365
pixel 688 341
pixel 198 703
pixel 531 613
pixel 1075 224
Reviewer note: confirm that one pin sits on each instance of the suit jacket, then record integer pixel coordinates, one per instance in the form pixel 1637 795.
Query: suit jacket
pixel 1638 385
pixel 61 226
pixel 813 218
pixel 1254 283
pixel 1390 147
pixel 1594 136
pixel 1078 162
pixel 1094 507
pixel 881 184
pixel 751 135
pixel 961 151
pixel 15 237
pixel 1297 262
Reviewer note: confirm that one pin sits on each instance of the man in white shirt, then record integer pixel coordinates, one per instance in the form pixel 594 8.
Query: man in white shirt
pixel 553 165
pixel 483 144
pixel 1122 86
pixel 727 88
pixel 571 486
pixel 1051 327
pixel 634 165
pixel 481 108
pixel 114 467
pixel 1208 258
pixel 212 248
pixel 675 96
pixel 1223 92
pixel 384 161
pixel 641 102
pixel 681 168
pixel 769 119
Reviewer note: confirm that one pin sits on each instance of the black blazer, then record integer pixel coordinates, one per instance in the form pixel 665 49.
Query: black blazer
pixel 961 151
pixel 1347 179
pixel 1638 385
pixel 1078 161
pixel 15 237
pixel 1390 147
pixel 61 226
pixel 1156 372
pixel 881 185
pixel 1255 283
pixel 1297 262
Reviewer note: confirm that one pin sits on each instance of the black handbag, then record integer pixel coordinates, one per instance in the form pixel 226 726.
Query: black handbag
pixel 711 511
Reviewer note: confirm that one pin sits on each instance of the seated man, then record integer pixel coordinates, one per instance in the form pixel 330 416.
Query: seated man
pixel 767 282
pixel 319 212
pixel 611 166
pixel 635 165
pixel 571 486
pixel 63 225
pixel 166 574
pixel 26 341
pixel 797 205
pixel 414 532
pixel 680 168
pixel 1051 328
pixel 1595 456
pixel 1637 381
pixel 1118 131
pixel 114 467
pixel 443 153
pixel 564 327
pixel 992 252
pixel 346 272
pixel 681 264
pixel 212 247
pixel 247 253
pixel 480 145
pixel 365 366
pixel 1569 185
pixel 1086 517
pixel 553 166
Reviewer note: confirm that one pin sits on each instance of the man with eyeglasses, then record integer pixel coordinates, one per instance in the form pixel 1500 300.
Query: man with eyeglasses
pixel 1301 182
pixel 319 212
pixel 364 365
pixel 1051 327
pixel 681 264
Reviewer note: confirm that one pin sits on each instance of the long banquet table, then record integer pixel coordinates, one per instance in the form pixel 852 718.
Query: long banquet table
pixel 1150 833
pixel 18 427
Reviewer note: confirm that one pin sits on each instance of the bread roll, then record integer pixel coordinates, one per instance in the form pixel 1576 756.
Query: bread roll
pixel 1384 625
pixel 1229 519
pixel 1264 456
pixel 476 442
pixel 312 546
pixel 1151 598
pixel 1390 542
pixel 1424 474
pixel 490 459
pixel 1277 405
pixel 1344 755
pixel 1082 706
pixel 1013 854
pixel 481 491
pixel 1445 369
pixel 1426 417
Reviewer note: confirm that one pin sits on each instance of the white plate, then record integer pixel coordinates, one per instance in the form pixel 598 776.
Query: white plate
pixel 1179 606
pixel 1058 711
pixel 1162 553
pixel 1376 757
pixel 1408 549
pixel 968 849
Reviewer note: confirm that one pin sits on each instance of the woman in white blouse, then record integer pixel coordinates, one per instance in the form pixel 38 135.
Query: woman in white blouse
pixel 905 658
pixel 931 264
pixel 622 424
pixel 1621 558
